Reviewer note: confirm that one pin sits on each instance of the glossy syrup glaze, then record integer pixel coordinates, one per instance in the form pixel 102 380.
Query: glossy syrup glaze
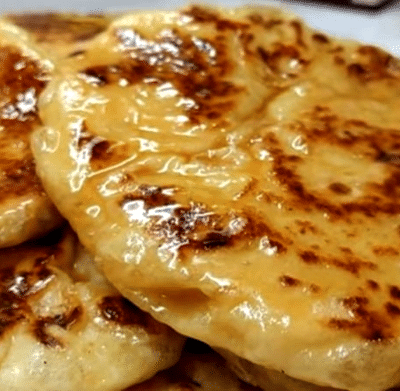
pixel 25 210
pixel 245 169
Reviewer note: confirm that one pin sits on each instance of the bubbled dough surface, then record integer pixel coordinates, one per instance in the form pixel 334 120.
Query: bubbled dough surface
pixel 69 329
pixel 258 213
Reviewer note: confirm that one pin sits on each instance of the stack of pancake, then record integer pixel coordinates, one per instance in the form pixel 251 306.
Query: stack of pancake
pixel 199 199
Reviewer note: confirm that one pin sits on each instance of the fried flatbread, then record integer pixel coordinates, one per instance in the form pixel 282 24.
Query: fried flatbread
pixel 31 50
pixel 237 175
pixel 64 327
pixel 25 210
pixel 61 35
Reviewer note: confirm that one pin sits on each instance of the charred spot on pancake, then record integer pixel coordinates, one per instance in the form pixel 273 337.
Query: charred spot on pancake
pixel 320 38
pixel 203 15
pixel 394 292
pixel 18 178
pixel 277 58
pixel 76 53
pixel 370 142
pixel 21 283
pixel 347 262
pixel 388 157
pixel 306 227
pixel 266 22
pixel 50 27
pixel 65 321
pixel 96 150
pixel 21 81
pixel 15 289
pixel 339 188
pixel 374 64
pixel 119 310
pixel 195 67
pixel 289 281
pixel 296 25
pixel 373 285
pixel 392 309
pixel 184 230
pixel 152 196
pixel 369 324
pixel 385 251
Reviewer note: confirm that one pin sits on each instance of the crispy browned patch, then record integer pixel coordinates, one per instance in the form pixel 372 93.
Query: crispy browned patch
pixel 371 142
pixel 394 292
pixel 15 290
pixel 101 152
pixel 289 282
pixel 372 325
pixel 197 68
pixel 279 55
pixel 392 309
pixel 21 283
pixel 50 27
pixel 347 262
pixel 306 227
pixel 152 196
pixel 21 81
pixel 119 310
pixel 320 38
pixel 204 15
pixel 339 188
pixel 385 251
pixel 195 229
pixel 266 22
pixel 64 320
pixel 298 28
pixel 375 64
pixel 373 285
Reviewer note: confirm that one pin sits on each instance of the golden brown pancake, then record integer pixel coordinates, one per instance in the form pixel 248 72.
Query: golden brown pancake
pixel 25 210
pixel 237 176
pixel 25 54
pixel 64 327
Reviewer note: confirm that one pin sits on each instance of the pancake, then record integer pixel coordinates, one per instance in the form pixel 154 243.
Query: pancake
pixel 196 370
pixel 64 327
pixel 25 210
pixel 32 48
pixel 236 175
pixel 61 35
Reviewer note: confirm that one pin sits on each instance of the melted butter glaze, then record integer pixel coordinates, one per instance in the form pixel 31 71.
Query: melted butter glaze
pixel 196 68
pixel 277 220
